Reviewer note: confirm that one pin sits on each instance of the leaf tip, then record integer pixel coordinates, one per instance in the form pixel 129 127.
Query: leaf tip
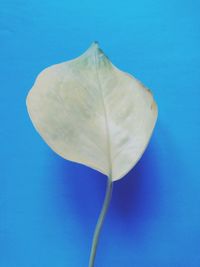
pixel 94 47
pixel 96 43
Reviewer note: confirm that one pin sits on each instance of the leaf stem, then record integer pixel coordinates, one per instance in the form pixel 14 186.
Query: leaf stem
pixel 100 221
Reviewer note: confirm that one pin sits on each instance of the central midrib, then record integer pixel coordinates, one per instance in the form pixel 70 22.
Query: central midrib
pixel 108 141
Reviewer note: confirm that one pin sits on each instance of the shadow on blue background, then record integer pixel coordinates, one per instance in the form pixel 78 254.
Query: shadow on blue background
pixel 135 197
pixel 134 204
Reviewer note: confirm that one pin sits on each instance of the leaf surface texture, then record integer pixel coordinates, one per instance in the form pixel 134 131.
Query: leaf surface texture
pixel 90 112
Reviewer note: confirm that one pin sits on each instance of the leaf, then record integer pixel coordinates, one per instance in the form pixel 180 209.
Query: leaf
pixel 90 112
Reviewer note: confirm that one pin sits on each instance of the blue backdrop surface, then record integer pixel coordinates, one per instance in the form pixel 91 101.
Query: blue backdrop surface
pixel 49 206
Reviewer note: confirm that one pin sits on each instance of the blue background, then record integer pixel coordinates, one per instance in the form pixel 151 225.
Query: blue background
pixel 49 206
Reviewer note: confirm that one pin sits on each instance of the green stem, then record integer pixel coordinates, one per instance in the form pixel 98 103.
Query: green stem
pixel 100 221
